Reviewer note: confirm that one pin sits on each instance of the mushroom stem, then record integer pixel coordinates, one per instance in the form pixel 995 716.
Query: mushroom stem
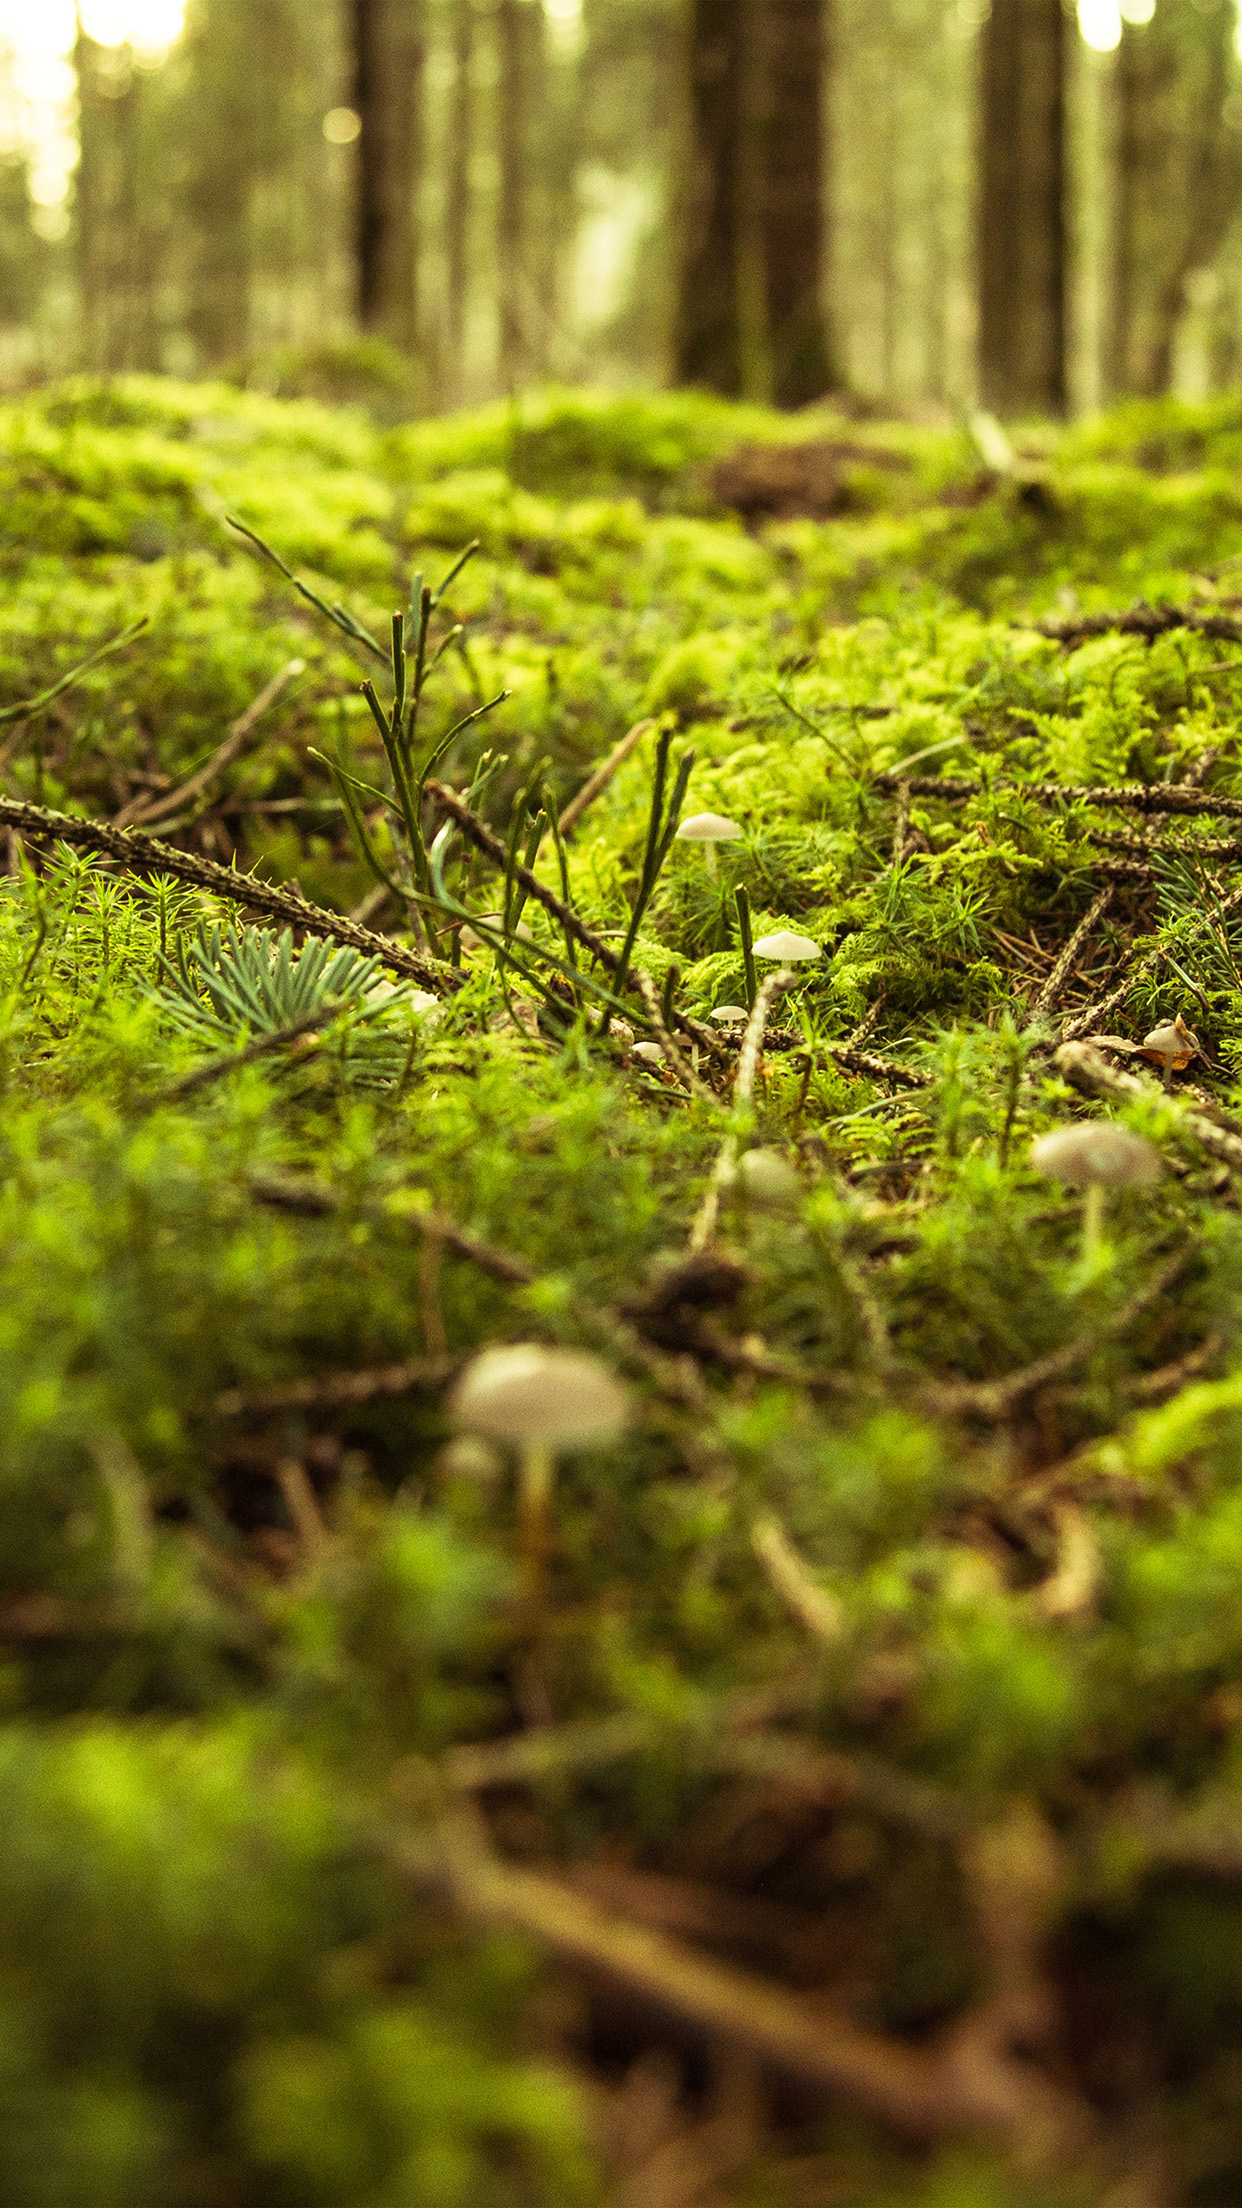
pixel 1092 1222
pixel 536 1480
pixel 1169 1063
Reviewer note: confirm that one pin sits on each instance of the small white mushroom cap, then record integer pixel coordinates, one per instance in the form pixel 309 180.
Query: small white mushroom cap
pixel 787 948
pixel 768 1181
pixel 731 1015
pixel 523 1392
pixel 1173 1039
pixel 1097 1153
pixel 707 828
pixel 651 1052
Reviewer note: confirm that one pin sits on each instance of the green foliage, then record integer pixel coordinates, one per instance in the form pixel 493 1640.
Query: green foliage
pixel 253 1608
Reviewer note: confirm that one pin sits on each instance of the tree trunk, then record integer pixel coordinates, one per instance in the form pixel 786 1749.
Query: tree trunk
pixel 457 197
pixel 389 55
pixel 511 225
pixel 796 61
pixel 1176 181
pixel 88 199
pixel 709 338
pixel 1021 246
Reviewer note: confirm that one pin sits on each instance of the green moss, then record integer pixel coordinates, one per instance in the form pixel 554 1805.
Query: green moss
pixel 230 1970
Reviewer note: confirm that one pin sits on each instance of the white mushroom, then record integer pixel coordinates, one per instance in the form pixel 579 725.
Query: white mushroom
pixel 768 1181
pixel 709 829
pixel 538 1401
pixel 786 948
pixel 650 1053
pixel 1171 1045
pixel 1096 1155
pixel 730 1015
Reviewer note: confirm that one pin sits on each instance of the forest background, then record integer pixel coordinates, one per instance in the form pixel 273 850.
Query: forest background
pixel 769 197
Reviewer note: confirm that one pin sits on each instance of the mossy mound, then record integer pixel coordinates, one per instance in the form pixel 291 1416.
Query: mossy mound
pixel 846 1807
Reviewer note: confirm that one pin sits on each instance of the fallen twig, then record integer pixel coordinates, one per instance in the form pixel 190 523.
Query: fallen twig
pixel 1142 620
pixel 1093 1015
pixel 480 835
pixel 30 706
pixel 334 1391
pixel 960 2085
pixel 995 1400
pixel 142 854
pixel 1137 797
pixel 1069 957
pixel 876 1069
pixel 743 1096
pixel 147 810
pixel 602 776
pixel 814 1608
pixel 1088 1070
pixel 216 1069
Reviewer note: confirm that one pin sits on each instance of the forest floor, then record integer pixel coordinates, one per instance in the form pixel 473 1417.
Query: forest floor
pixel 825 1788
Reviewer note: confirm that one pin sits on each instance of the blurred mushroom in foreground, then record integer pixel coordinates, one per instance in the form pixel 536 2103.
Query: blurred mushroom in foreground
pixel 538 1401
pixel 1095 1156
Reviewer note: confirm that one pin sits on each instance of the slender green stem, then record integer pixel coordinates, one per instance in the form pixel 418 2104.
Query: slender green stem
pixel 742 902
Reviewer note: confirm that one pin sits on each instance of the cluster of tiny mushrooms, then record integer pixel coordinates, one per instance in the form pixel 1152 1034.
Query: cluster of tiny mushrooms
pixel 539 1401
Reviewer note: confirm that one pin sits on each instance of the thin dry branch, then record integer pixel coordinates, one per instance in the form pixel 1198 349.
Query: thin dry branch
pixel 1135 797
pixel 995 1400
pixel 602 776
pixel 334 1391
pixel 957 2087
pixel 1069 957
pixel 1089 1070
pixel 875 1069
pixel 141 854
pixel 1093 1015
pixel 146 810
pixel 316 1199
pixel 743 1097
pixel 818 1612
pixel 1142 620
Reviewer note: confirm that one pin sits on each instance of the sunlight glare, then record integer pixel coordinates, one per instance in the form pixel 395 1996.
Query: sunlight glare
pixel 1100 24
pixel 149 26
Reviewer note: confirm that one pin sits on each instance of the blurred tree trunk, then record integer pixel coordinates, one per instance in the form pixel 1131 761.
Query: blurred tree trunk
pixel 389 56
pixel 457 197
pixel 795 60
pixel 117 250
pixel 88 204
pixel 1021 243
pixel 750 312
pixel 709 339
pixel 1177 180
pixel 514 34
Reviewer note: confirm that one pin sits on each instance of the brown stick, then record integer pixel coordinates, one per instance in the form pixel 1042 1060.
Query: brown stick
pixel 901 823
pixel 146 810
pixel 316 1200
pixel 1141 620
pixel 1089 1071
pixel 921 2093
pixel 335 1391
pixel 1137 797
pixel 1070 955
pixel 743 1095
pixel 876 1069
pixel 602 776
pixel 996 1399
pixel 1093 1015
pixel 480 835
pixel 142 854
